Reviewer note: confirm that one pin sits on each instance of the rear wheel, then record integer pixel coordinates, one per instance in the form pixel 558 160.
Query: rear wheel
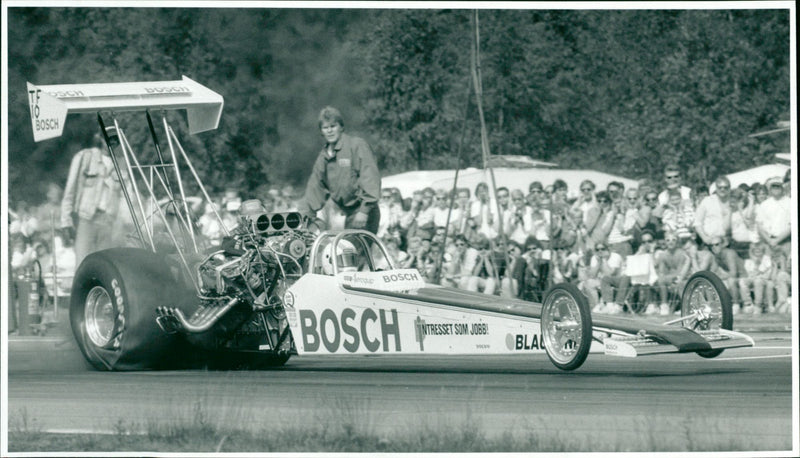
pixel 566 326
pixel 112 310
pixel 706 299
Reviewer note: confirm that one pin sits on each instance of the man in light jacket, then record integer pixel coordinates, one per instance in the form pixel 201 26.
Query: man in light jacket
pixel 92 199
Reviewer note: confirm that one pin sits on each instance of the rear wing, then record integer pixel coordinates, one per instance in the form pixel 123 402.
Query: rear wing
pixel 50 105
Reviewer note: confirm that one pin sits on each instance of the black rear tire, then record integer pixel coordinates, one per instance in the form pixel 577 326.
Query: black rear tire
pixel 566 325
pixel 112 310
pixel 705 290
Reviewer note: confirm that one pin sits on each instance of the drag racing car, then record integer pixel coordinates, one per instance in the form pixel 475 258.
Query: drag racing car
pixel 292 288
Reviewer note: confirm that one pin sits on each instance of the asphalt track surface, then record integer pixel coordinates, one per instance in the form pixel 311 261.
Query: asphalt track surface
pixel 646 403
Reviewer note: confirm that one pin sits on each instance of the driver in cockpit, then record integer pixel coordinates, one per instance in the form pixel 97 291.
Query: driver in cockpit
pixel 348 257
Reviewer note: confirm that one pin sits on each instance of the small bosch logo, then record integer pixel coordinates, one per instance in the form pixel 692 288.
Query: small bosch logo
pixel 288 299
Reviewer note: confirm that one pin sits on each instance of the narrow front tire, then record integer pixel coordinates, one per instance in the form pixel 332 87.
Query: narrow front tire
pixel 706 298
pixel 566 326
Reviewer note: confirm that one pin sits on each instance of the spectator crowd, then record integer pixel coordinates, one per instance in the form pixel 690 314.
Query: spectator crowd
pixel 628 250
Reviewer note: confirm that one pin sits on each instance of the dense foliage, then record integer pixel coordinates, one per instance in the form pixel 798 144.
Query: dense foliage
pixel 622 91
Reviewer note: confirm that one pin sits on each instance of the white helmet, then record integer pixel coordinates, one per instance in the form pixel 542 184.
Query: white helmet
pixel 346 257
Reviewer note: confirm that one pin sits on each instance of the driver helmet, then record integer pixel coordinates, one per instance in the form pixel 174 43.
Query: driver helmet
pixel 346 257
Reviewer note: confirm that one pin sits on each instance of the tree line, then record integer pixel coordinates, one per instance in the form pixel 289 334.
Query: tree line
pixel 619 91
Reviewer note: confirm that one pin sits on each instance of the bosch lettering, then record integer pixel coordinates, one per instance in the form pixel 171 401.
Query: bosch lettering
pixel 46 124
pixel 400 277
pixel 65 94
pixel 348 331
pixel 167 90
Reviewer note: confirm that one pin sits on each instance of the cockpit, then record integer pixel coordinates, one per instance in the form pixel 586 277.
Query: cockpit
pixel 350 250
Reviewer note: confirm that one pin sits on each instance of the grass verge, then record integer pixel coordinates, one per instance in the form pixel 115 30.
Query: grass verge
pixel 343 426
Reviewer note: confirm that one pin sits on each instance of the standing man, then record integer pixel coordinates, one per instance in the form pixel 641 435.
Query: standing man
pixel 774 217
pixel 92 196
pixel 712 218
pixel 345 172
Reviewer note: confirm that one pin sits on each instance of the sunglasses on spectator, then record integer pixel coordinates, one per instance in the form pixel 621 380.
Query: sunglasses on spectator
pixel 601 248
pixel 723 187
pixel 651 199
pixel 633 199
pixel 672 177
pixel 461 244
pixel 604 201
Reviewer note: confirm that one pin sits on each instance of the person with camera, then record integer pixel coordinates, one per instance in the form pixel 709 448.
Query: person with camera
pixel 517 223
pixel 484 273
pixel 514 275
pixel 605 220
pixel 483 211
pixel 457 270
pixel 540 215
pixel 536 274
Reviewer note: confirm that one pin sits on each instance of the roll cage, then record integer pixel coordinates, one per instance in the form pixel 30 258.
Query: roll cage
pixel 365 243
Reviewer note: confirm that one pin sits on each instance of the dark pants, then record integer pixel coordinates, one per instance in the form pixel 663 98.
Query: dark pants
pixel 373 219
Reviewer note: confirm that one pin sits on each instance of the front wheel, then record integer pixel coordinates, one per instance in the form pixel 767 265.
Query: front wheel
pixel 707 302
pixel 566 326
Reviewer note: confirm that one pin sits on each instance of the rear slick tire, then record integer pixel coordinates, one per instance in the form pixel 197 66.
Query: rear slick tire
pixel 115 293
pixel 566 324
